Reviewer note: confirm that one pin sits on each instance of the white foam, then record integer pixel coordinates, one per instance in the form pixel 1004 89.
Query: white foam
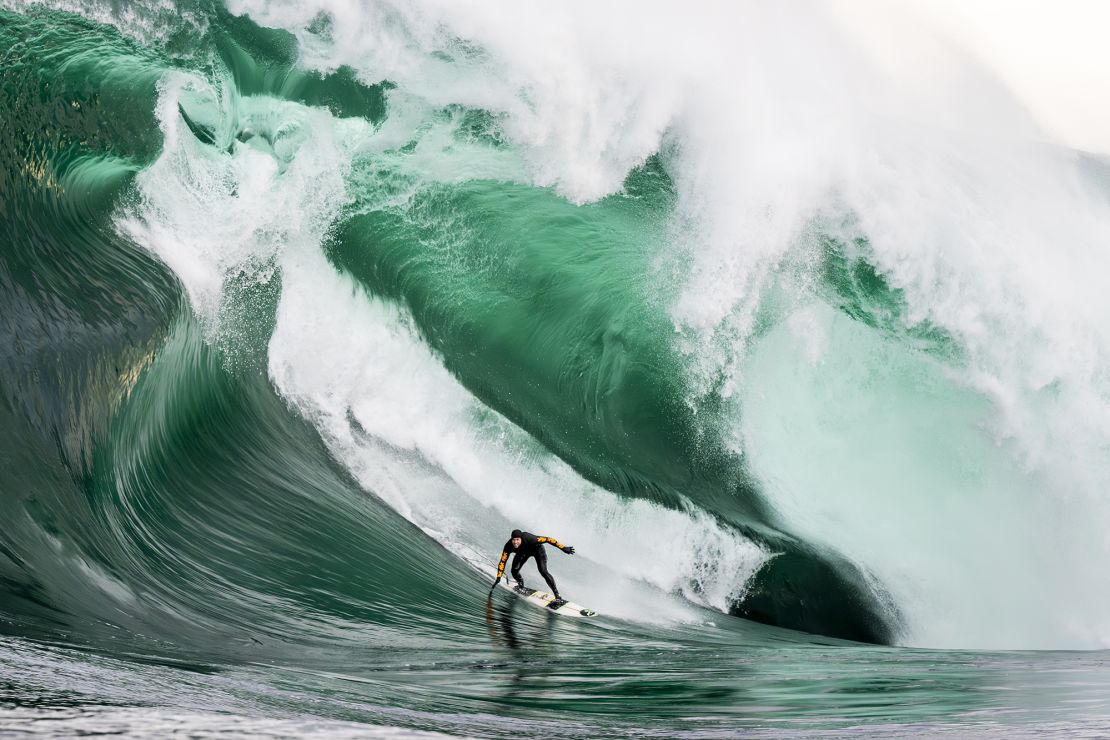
pixel 210 215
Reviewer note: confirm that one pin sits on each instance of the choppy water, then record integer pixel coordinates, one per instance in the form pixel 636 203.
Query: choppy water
pixel 304 306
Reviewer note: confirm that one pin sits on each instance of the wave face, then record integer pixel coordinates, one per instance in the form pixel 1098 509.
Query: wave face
pixel 305 305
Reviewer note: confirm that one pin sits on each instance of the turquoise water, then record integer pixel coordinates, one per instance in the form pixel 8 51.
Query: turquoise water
pixel 305 307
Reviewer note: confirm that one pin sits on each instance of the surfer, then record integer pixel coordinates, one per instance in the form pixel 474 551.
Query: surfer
pixel 527 545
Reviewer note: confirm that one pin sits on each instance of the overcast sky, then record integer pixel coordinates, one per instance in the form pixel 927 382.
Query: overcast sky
pixel 1055 57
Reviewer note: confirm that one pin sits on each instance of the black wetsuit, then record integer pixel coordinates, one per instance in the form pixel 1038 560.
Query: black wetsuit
pixel 530 546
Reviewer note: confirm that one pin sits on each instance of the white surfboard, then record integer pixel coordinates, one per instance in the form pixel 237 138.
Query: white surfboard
pixel 545 600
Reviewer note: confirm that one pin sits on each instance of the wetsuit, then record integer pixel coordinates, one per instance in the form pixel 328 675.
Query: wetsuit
pixel 530 546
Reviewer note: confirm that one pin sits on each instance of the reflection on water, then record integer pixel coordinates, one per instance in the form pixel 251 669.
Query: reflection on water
pixel 597 679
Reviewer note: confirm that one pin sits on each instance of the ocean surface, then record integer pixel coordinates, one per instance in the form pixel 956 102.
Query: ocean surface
pixel 795 327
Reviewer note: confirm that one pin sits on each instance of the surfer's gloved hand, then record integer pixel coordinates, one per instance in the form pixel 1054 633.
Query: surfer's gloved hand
pixel 568 550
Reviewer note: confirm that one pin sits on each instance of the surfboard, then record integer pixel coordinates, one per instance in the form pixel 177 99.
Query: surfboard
pixel 547 601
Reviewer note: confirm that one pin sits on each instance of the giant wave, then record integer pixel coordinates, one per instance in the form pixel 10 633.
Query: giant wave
pixel 306 304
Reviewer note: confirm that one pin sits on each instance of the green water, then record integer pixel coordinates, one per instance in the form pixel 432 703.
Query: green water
pixel 265 414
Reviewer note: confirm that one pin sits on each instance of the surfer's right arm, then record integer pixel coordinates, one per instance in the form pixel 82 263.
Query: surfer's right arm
pixel 501 565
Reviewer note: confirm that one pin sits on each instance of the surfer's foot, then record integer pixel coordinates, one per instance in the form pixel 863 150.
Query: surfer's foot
pixel 556 603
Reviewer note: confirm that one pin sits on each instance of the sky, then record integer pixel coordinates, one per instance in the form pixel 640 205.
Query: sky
pixel 1054 56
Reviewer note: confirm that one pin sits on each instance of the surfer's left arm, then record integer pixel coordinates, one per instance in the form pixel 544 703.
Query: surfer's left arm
pixel 552 541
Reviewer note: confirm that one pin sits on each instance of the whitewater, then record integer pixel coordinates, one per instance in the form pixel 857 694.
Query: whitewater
pixel 789 317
